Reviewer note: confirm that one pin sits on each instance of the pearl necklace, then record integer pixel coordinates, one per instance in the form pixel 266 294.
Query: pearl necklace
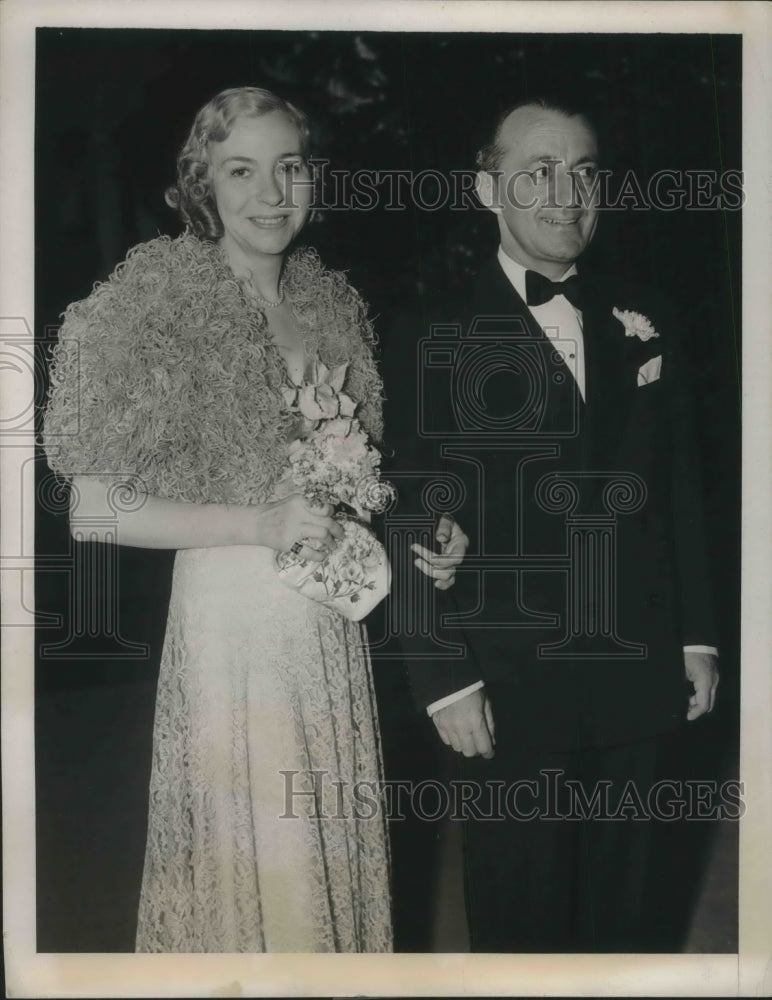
pixel 268 303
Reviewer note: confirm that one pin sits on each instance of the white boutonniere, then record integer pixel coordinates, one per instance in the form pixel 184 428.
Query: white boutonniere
pixel 635 324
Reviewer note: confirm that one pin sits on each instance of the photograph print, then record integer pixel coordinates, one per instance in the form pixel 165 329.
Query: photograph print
pixel 387 491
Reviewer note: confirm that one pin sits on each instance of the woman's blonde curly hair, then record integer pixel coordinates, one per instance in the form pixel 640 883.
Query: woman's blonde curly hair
pixel 192 195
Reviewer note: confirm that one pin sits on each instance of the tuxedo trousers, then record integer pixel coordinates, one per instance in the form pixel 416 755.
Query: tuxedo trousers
pixel 557 847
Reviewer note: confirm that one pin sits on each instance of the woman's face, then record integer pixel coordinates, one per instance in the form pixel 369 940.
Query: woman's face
pixel 261 184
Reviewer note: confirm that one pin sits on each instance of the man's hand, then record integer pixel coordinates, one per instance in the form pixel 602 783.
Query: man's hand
pixel 702 671
pixel 441 566
pixel 467 725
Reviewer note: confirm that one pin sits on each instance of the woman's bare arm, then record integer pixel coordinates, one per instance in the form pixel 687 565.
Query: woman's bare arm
pixel 156 523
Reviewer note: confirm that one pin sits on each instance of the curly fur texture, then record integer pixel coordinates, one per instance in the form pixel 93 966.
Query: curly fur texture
pixel 167 373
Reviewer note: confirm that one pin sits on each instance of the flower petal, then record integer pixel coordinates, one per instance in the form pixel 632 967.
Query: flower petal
pixel 347 405
pixel 308 404
pixel 337 377
pixel 327 401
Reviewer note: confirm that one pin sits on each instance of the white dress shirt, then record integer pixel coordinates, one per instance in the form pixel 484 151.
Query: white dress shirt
pixel 562 323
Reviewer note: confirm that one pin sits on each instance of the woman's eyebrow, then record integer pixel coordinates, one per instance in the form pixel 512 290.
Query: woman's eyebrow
pixel 249 159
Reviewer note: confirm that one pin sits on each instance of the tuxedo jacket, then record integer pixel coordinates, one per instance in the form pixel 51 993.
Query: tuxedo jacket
pixel 587 572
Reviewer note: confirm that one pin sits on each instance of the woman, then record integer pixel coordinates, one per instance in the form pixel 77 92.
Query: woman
pixel 172 376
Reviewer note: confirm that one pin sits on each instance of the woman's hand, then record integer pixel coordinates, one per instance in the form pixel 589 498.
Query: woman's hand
pixel 283 523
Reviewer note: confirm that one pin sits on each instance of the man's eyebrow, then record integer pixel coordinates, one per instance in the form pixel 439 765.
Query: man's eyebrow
pixel 544 158
pixel 551 158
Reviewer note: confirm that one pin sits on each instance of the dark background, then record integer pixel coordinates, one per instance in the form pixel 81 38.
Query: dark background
pixel 112 108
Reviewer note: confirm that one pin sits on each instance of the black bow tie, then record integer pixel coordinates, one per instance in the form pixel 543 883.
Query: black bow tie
pixel 539 289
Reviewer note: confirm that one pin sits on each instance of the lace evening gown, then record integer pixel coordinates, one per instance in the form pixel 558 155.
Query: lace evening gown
pixel 167 377
pixel 258 688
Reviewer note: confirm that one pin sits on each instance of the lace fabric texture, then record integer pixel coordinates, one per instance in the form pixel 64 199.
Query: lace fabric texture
pixel 266 832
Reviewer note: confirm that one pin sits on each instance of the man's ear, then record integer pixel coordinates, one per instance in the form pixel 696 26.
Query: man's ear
pixel 487 189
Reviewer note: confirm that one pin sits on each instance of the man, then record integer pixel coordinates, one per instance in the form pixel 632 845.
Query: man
pixel 584 598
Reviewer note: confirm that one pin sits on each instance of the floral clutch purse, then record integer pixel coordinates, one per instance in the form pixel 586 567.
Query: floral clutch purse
pixel 333 463
pixel 352 579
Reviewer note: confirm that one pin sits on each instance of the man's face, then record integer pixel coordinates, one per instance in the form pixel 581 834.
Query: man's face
pixel 544 224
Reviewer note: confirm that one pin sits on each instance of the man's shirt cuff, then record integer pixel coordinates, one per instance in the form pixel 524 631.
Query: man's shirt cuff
pixel 450 698
pixel 458 695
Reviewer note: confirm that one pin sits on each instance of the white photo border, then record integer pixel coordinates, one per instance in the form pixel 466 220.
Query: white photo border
pixel 69 975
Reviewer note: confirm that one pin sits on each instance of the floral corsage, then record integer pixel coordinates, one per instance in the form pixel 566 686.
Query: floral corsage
pixel 635 323
pixel 332 462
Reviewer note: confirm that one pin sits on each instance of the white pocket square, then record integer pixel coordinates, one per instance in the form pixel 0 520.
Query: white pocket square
pixel 650 371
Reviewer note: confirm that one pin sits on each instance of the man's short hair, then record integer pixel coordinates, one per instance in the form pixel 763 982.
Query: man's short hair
pixel 491 153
